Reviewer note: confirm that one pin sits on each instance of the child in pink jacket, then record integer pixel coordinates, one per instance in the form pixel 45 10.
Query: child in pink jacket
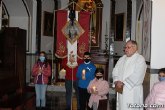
pixel 98 88
pixel 156 98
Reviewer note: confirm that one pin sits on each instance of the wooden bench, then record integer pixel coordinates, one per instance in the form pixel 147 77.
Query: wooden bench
pixel 12 97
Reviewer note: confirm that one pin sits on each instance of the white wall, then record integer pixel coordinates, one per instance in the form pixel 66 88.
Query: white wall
pixel 158 34
pixel 157 38
pixel 32 8
pixel 30 60
pixel 17 21
pixel 120 7
pixel 15 7
pixel 62 4
pixel 133 24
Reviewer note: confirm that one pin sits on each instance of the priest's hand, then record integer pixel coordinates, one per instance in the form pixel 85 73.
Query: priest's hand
pixel 119 86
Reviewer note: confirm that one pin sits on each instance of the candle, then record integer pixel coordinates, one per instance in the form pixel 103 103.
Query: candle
pixel 83 74
pixel 63 70
pixel 94 88
pixel 62 73
pixel 83 71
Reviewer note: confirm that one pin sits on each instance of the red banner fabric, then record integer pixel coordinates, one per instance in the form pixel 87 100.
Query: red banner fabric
pixel 61 46
pixel 83 41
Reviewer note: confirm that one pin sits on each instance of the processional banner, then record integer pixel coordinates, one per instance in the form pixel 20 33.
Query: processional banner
pixel 61 48
pixel 84 40
pixel 72 36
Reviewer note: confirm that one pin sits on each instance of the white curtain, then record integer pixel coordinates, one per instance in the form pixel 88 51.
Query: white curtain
pixel 146 30
pixel 143 29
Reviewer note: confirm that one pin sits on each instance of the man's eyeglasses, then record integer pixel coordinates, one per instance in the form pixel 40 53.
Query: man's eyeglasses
pixel 128 47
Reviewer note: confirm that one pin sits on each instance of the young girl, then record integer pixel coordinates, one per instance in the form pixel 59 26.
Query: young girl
pixel 156 98
pixel 41 71
pixel 98 88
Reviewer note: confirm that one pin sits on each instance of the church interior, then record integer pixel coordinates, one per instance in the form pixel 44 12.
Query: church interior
pixel 101 27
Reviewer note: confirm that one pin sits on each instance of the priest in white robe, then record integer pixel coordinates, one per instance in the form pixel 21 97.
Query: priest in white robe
pixel 128 75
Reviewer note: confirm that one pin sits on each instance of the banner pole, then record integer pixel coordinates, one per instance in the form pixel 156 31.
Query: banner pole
pixel 72 92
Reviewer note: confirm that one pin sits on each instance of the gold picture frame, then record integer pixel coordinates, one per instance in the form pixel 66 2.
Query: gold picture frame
pixel 48 24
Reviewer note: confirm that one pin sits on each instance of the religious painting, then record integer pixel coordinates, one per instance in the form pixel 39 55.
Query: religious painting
pixel 48 24
pixel 119 27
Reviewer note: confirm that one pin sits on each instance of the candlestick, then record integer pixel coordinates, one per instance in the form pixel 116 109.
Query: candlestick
pixel 106 29
pixel 106 39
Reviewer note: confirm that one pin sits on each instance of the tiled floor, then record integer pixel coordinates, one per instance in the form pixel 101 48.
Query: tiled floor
pixel 56 101
pixel 56 98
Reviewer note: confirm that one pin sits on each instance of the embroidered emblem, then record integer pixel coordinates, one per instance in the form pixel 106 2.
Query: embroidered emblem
pixel 82 48
pixel 72 31
pixel 61 49
pixel 71 58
